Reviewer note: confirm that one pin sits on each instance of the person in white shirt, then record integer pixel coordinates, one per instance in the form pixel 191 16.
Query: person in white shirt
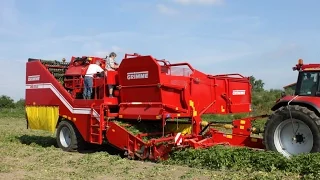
pixel 112 65
pixel 88 79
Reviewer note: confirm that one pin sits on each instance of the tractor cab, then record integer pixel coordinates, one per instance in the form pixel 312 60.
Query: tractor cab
pixel 308 79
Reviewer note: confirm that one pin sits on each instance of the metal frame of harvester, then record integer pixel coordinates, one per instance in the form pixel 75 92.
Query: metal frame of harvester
pixel 153 93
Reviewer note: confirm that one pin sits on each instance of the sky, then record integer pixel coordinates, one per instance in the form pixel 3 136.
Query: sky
pixel 260 38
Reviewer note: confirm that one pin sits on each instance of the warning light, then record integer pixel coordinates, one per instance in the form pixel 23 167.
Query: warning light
pixel 300 61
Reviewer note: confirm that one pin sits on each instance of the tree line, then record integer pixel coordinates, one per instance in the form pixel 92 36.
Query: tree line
pixel 8 102
pixel 262 99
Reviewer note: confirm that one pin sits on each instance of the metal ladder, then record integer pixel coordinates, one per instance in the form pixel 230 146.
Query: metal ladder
pixel 96 126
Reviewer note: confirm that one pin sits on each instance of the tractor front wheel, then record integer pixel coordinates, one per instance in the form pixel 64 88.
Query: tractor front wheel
pixel 293 130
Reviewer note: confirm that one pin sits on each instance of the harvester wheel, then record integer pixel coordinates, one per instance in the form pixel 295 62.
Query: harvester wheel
pixel 301 134
pixel 68 137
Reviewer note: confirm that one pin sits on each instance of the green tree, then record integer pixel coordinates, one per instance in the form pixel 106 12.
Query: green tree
pixel 263 100
pixel 290 91
pixel 257 84
pixel 20 103
pixel 6 102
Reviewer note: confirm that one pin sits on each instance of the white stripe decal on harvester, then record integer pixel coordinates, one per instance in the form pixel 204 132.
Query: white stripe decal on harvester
pixel 63 99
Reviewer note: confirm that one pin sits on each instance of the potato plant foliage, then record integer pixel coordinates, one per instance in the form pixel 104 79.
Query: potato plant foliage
pixel 221 158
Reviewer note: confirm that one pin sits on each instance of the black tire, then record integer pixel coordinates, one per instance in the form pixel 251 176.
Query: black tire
pixel 76 140
pixel 305 115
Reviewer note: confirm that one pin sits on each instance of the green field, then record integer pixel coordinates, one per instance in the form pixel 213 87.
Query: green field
pixel 29 154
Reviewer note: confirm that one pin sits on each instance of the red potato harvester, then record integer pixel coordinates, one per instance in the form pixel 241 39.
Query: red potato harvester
pixel 168 99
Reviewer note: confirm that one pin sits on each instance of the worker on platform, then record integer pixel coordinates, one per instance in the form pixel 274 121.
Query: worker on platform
pixel 111 63
pixel 88 79
pixel 111 66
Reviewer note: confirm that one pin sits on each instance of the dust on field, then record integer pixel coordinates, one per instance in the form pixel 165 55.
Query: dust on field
pixel 30 154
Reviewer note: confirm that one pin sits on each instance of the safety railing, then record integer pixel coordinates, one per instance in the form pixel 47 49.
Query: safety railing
pixel 234 75
pixel 99 84
pixel 167 67
pixel 177 69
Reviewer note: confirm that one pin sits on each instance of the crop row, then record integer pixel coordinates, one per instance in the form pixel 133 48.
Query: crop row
pixel 219 158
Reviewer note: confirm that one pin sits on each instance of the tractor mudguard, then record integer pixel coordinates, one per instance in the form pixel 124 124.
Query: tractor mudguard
pixel 306 104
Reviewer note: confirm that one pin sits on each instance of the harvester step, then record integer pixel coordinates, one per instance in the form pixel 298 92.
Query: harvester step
pixel 95 125
pixel 113 114
pixel 95 134
pixel 109 118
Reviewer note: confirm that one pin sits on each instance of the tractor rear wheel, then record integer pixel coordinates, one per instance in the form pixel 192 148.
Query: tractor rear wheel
pixel 293 134
pixel 68 137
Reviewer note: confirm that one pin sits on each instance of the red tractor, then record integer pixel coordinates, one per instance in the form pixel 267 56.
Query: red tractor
pixel 164 102
pixel 294 127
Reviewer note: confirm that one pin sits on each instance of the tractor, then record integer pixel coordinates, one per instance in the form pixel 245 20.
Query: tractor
pixel 294 126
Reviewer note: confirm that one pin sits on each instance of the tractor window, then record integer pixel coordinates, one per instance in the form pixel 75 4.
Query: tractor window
pixel 307 83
